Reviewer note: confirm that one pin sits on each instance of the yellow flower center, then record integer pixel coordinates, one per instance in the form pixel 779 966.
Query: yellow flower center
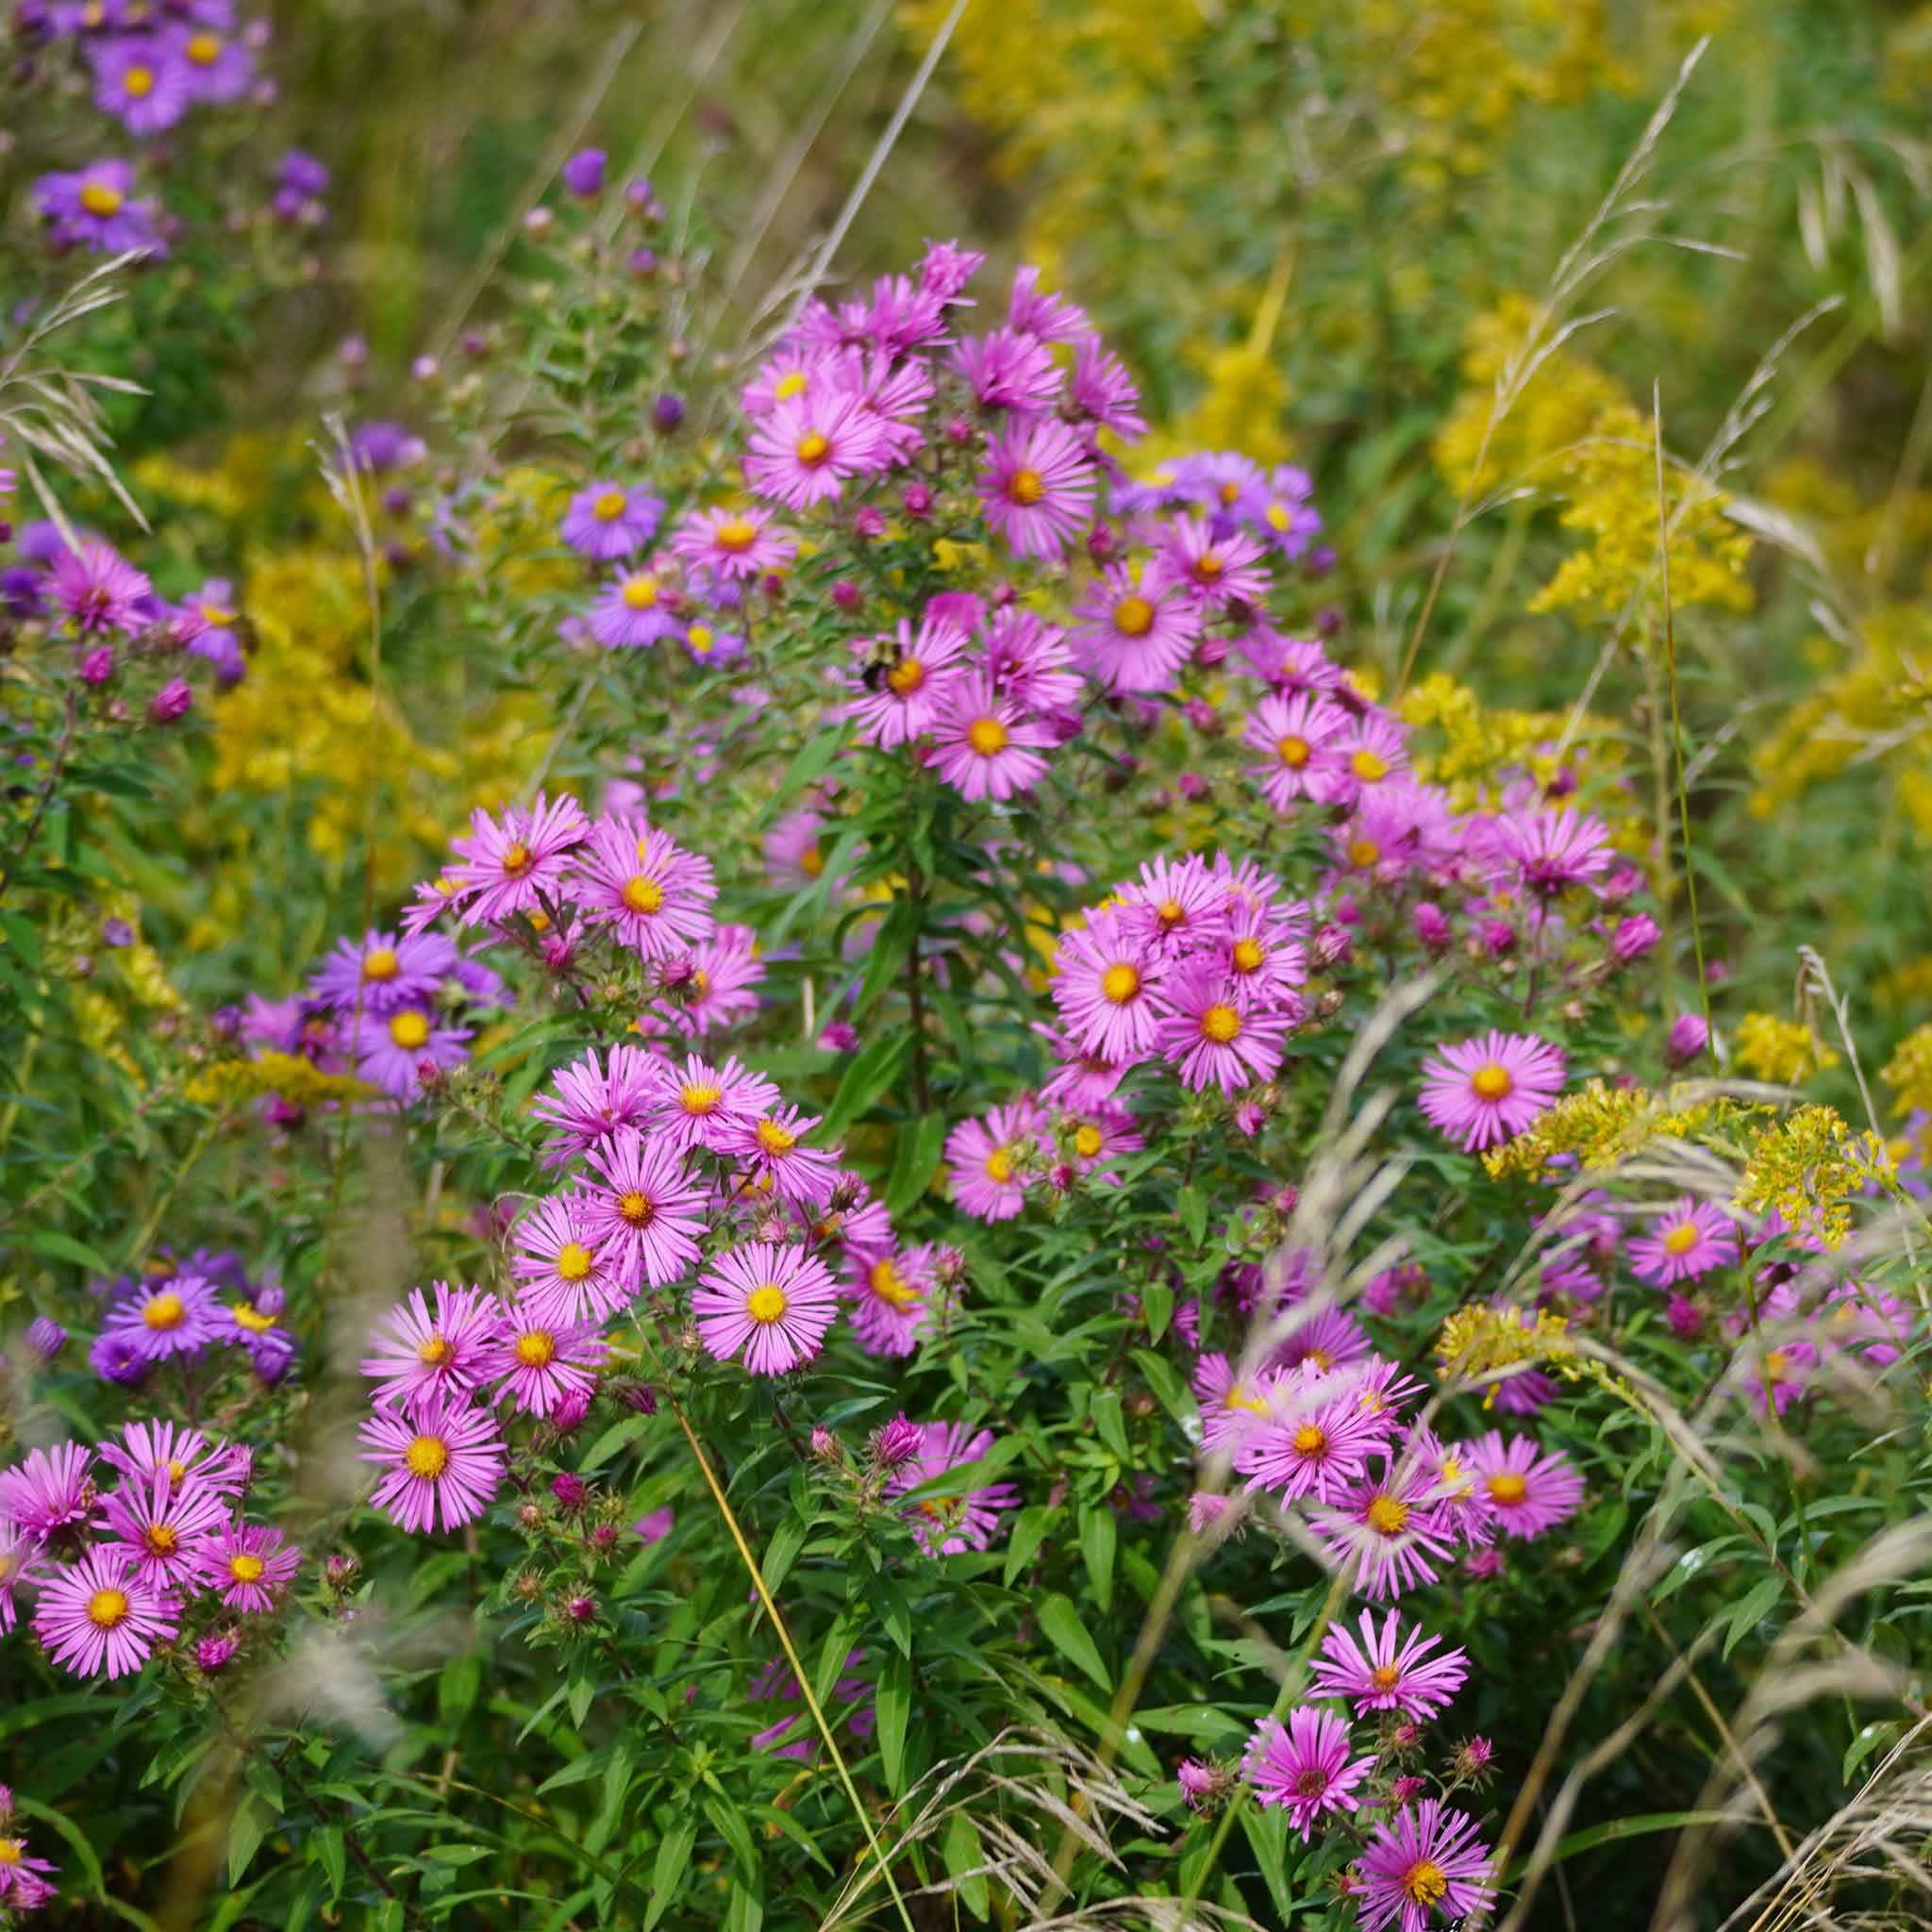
pixel 1367 766
pixel 1119 983
pixel 699 1099
pixel 427 1456
pixel 1087 1141
pixel 99 199
pixel 165 1311
pixel 178 1472
pixel 1171 912
pixel 138 81
pixel 766 1304
pixel 1508 1488
pixel 573 1261
pixel 640 591
pixel 1293 752
pixel 1248 956
pixel 381 964
pixel 811 450
pixel 1208 566
pixel 1363 853
pixel 537 1349
pixel 205 49
pixel 107 1609
pixel 1133 617
pixel 905 677
pixel 213 614
pixel 1424 1883
pixel 1310 1440
pixel 1239 1397
pixel 1277 516
pixel 251 1318
pixel 774 1139
pixel 736 534
pixel 811 861
pixel 999 1165
pixel 1229 491
pixel 12 1850
pixel 409 1030
pixel 434 1350
pixel 1026 486
pixel 245 1569
pixel 636 1209
pixel 788 386
pixel 1491 1083
pixel 1387 1517
pixel 987 736
pixel 1681 1238
pixel 1220 1024
pixel 1385 1676
pixel 701 637
pixel 1777 1366
pixel 162 1538
pixel 891 1286
pixel 609 507
pixel 643 895
pixel 516 862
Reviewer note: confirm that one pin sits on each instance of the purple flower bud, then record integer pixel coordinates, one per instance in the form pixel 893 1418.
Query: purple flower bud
pixel 1191 786
pixel 667 412
pixel 653 1529
pixel 569 1489
pixel 539 220
pixel 639 192
pixel 1060 1176
pixel 213 1652
pixel 1499 937
pixel 1619 885
pixel 825 1446
pixel 1431 925
pixel 171 701
pixel 1683 1318
pixel 1563 785
pixel 839 1037
pixel 1688 1038
pixel 1331 948
pixel 643 262
pixel 897 1442
pixel 568 1416
pixel 640 1397
pixel 1203 717
pixel 45 1336
pixel 1248 1118
pixel 868 523
pixel 580 1608
pixel 117 932
pixel 603 1536
pixel 846 595
pixel 1101 543
pixel 583 174
pixel 98 665
pixel 339 1572
pixel 1211 652
pixel 1202 1783
pixel 425 369
pixel 916 502
pixel 1634 937
pixel 1204 1510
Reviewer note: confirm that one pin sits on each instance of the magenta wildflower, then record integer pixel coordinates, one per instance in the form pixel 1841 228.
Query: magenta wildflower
pixel 558 1265
pixel 772 1153
pixel 1302 740
pixel 983 746
pixel 48 1491
pixel 646 1216
pixel 443 1468
pixel 175 1316
pixel 1308 1446
pixel 103 1615
pixel 1553 849
pixel 1204 1032
pixel 703 1105
pixel 508 866
pixel 99 589
pixel 422 1360
pixel 607 520
pixel 1426 1860
pixel 95 207
pixel 733 544
pixel 1486 1089
pixel 1101 391
pixel 773 1304
pixel 654 894
pixel 906 701
pixel 249 1565
pixel 634 609
pixel 147 1449
pixel 22 1887
pixel 392 1049
pixel 1690 1239
pixel 1304 1766
pixel 887 1292
pixel 1201 1784
pixel 805 449
pixel 1006 370
pixel 946 1525
pixel 384 972
pixel 1107 985
pixel 163 1524
pixel 591 1101
pixel 1384 1674
pixel 1373 748
pixel 1176 902
pixel 220 67
pixel 21 1562
pixel 540 1363
pixel 1038 488
pixel 1232 1409
pixel 1390 1531
pixel 1134 628
pixel 1524 1487
pixel 141 82
pixel 984 1161
pixel 1214 571
pixel 1029 662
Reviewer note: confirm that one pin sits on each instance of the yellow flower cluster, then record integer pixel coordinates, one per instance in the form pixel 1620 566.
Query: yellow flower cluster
pixel 1810 1167
pixel 1600 1125
pixel 1478 1339
pixel 1783 1051
pixel 228 1083
pixel 1909 1072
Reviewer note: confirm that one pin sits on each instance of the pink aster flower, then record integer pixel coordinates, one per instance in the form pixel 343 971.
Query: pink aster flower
pixel 103 1614
pixel 1553 849
pixel 384 972
pixel 805 449
pixel 177 1316
pixel 733 544
pixel 773 1304
pixel 1390 1531
pixel 1207 1035
pixel 637 880
pixel 1107 984
pixel 1028 661
pixel 1006 370
pixel 904 700
pixel 607 520
pixel 1388 1672
pixel 887 1291
pixel 559 1267
pixel 983 746
pixel 1232 1409
pixel 1103 1134
pixel 392 1049
pixel 249 1565
pixel 703 1105
pixel 1423 1860
pixel 1214 571
pixel 422 1360
pixel 646 1217
pixel 20 1566
pixel 1371 748
pixel 1176 904
pixel 1398 828
pixel 770 1149
pixel 541 1364
pixel 1036 489
pixel 99 589
pixel 794 854
pixel 164 1524
pixel 1689 1240
pixel 1302 740
pixel 1134 628
pixel 1488 1088
pixel 442 1467
pixel 1304 1766
pixel 141 82
pixel 984 1161
pixel 508 867
pixel 220 67
pixel 633 609
pixel 48 1489
pixel 944 1525
pixel 1308 1446
pixel 149 1449
pixel 591 1101
pixel 1526 1489
pixel 1102 392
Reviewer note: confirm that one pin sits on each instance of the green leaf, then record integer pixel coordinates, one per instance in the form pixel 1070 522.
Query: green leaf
pixel 327 1848
pixel 1029 1530
pixel 1192 1206
pixel 963 1856
pixel 1068 1635
pixel 60 1248
pixel 1872 1737
pixel 248 1827
pixel 811 761
pixel 583 1691
pixel 867 1075
pixel 894 1705
pixel 1111 1424
pixel 673 1854
pixel 456 1689
pixel 1753 1611
pixel 1267 1833
pixel 1620 1828
pixel 915 1160
pixel 1099 1535
pixel 782 1552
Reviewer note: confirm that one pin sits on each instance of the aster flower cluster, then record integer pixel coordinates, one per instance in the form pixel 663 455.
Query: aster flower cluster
pixel 138 1543
pixel 199 1314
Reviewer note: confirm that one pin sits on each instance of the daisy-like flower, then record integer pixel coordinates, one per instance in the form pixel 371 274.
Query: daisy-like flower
pixel 1214 571
pixel 648 889
pixel 178 1316
pixel 1263 963
pixel 1490 1087
pixel 703 1105
pixel 1134 628
pixel 164 1524
pixel 909 694
pixel 943 1526
pixel 1232 1409
pixel 21 1563
pixel 1302 740
pixel 634 609
pixel 1688 1241
pixel 1390 1531
pixel 48 1489
pixel 887 1291
pixel 541 1365
pixel 149 1449
pixel 1280 510
pixel 442 1466
pixel 1029 662
pixel 984 1160
pixel 1554 849
pixel 423 1359
pixel 99 589
pixel 1101 391
pixel 1304 1766
pixel 723 974
pixel 771 1304
pixel 727 544
pixel 1386 1670
pixel 1107 984
pixel 1426 1860
pixel 646 1216
pixel 1103 1134
pixel 1526 1489
pixel 983 744
pixel 591 1101
pixel 770 1147
pixel 508 867
pixel 392 1049
pixel 103 1614
pixel 805 449
pixel 607 520
pixel 1036 489
pixel 1177 904
pixel 1310 1444
pixel 141 82
pixel 95 207
pixel 249 1565
pixel 795 854
pixel 1371 748
pixel 1006 370
pixel 220 67
pixel 384 972
pixel 561 1268
pixel 1204 1032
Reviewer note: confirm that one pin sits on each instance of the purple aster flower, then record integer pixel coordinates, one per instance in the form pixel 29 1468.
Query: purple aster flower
pixel 633 609
pixel 1303 1767
pixel 147 1449
pixel 1393 1529
pixel 1211 1033
pixel 48 1491
pixel 45 1336
pixel 95 208
pixel 1038 488
pixel 984 744
pixel 944 1525
pixel 773 1304
pixel 583 174
pixel 102 1614
pixel 99 589
pixel 173 701
pixel 1486 1089
pixel 1526 1488
pixel 219 66
pixel 422 1359
pixel 213 1654
pixel 141 82
pixel 642 1213
pixel 607 520
pixel 392 1049
pixel 441 1469
pixel 384 972
pixel 164 1524
pixel 1200 1784
pixel 172 1317
pixel 21 1563
pixel 1688 1035
pixel 1634 937
pixel 249 1565
pixel 540 1363
pixel 508 866
pixel 905 701
pixel 1423 1860
pixel 1690 1239
pixel 1386 1670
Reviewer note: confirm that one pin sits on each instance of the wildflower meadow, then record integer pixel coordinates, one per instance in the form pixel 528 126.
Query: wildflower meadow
pixel 966 965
